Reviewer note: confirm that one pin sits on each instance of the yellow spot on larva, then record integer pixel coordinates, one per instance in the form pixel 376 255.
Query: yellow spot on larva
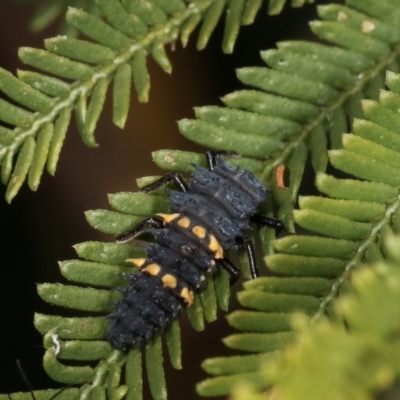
pixel 187 295
pixel 199 231
pixel 139 262
pixel 184 222
pixel 169 217
pixel 152 269
pixel 169 281
pixel 215 247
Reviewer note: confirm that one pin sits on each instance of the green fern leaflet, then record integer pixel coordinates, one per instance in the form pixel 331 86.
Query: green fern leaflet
pixel 360 361
pixel 347 229
pixel 75 74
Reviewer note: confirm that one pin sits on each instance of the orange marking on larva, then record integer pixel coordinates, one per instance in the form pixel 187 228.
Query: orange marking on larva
pixel 169 217
pixel 169 281
pixel 199 231
pixel 139 262
pixel 279 177
pixel 184 222
pixel 152 269
pixel 215 247
pixel 187 295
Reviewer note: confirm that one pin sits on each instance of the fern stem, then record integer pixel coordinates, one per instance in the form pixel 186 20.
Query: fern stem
pixel 101 373
pixel 331 295
pixel 291 146
pixel 356 260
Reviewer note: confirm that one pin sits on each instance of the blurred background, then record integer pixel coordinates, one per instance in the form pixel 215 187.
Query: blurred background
pixel 38 229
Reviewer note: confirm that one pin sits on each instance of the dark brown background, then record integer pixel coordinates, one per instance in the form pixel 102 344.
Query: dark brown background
pixel 39 229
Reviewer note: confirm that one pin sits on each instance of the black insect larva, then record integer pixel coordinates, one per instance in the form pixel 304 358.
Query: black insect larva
pixel 207 215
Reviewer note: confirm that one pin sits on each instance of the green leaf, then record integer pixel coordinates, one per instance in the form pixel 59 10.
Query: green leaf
pixel 110 222
pixel 13 115
pixel 354 163
pixel 108 253
pixel 195 315
pixel 60 130
pixel 118 18
pixel 40 155
pixel 24 94
pixel 207 134
pixel 287 85
pixel 259 342
pixel 250 11
pixel 357 21
pixel 138 203
pixel 65 374
pixel 331 225
pixel 160 56
pixel 133 375
pixel 75 297
pixel 250 321
pixel 223 384
pixel 232 24
pixel 80 350
pixel 209 300
pixel 22 166
pixel 94 273
pixel 155 370
pixel 94 109
pixel 211 19
pixel 352 209
pixel 46 84
pixel 55 64
pixel 141 77
pixel 350 39
pixel 286 61
pixel 80 50
pixel 173 338
pixel 44 15
pixel 318 146
pixel 234 364
pixel 121 94
pixel 354 61
pixel 96 29
pixel 277 302
pixel 188 27
pixel 314 245
pixel 85 328
pixel 355 190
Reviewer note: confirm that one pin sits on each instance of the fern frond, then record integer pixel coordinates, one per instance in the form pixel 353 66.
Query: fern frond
pixel 301 114
pixel 359 362
pixel 49 10
pixel 100 270
pixel 305 100
pixel 76 74
pixel 49 394
pixel 346 230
